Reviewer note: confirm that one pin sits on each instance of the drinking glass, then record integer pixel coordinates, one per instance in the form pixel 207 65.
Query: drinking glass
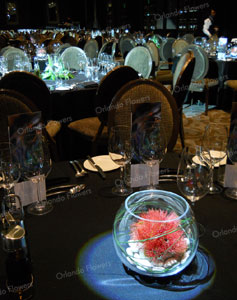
pixel 153 147
pixel 36 168
pixel 232 155
pixel 214 145
pixel 119 147
pixel 193 176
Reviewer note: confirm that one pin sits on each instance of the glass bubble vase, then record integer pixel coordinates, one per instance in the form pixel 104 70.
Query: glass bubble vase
pixel 155 233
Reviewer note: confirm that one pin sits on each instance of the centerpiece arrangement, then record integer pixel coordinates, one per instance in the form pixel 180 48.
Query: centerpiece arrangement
pixel 55 69
pixel 155 233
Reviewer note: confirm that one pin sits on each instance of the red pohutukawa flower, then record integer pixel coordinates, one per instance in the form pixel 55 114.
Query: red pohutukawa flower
pixel 160 239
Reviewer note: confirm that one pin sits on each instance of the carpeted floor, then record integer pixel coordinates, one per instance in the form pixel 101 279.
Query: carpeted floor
pixel 195 121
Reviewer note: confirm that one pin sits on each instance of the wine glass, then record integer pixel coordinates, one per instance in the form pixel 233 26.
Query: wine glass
pixel 119 147
pixel 153 147
pixel 37 166
pixel 193 176
pixel 232 155
pixel 214 145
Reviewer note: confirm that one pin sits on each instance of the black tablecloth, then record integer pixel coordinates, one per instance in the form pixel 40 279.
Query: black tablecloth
pixel 73 256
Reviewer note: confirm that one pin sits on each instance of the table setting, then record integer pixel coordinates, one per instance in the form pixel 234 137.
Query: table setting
pixel 105 237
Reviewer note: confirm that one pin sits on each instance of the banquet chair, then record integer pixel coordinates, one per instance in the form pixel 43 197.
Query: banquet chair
pixel 108 48
pixel 155 56
pixel 72 57
pixel 181 82
pixel 30 86
pixel 140 59
pixel 9 105
pixel 16 59
pixel 205 74
pixel 22 105
pixel 94 129
pixel 165 76
pixel 91 48
pixel 145 91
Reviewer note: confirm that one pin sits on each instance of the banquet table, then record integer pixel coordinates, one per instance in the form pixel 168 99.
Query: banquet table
pixel 73 256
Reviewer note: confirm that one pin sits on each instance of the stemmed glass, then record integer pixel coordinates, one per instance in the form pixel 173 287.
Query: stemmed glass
pixel 153 147
pixel 232 155
pixel 214 144
pixel 193 176
pixel 119 147
pixel 9 172
pixel 37 166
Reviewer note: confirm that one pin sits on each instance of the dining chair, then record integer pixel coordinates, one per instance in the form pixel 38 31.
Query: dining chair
pixel 140 59
pixel 181 82
pixel 139 91
pixel 24 104
pixel 94 129
pixel 72 57
pixel 155 56
pixel 91 48
pixel 9 105
pixel 205 74
pixel 126 45
pixel 108 48
pixel 30 86
pixel 16 59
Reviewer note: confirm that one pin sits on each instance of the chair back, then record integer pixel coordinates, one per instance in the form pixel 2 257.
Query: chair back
pixel 140 59
pixel 72 57
pixel 91 48
pixel 182 77
pixel 166 49
pixel 16 59
pixel 110 84
pixel 32 87
pixel 9 105
pixel 178 46
pixel 108 48
pixel 154 53
pixel 201 61
pixel 126 45
pixel 139 91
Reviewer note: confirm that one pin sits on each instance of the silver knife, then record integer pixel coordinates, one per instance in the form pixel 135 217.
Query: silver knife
pixel 98 168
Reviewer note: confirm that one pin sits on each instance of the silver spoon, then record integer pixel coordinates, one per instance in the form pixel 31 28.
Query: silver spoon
pixel 79 164
pixel 78 173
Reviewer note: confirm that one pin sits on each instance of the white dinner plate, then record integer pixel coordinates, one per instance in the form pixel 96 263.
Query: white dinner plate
pixel 104 161
pixel 214 154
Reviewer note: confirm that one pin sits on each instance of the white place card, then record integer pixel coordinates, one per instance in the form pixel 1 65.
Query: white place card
pixel 140 175
pixel 230 177
pixel 27 191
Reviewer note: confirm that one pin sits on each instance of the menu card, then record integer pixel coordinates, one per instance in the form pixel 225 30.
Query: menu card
pixel 25 136
pixel 144 112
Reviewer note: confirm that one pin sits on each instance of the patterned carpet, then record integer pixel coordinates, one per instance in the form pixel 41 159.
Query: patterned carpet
pixel 195 121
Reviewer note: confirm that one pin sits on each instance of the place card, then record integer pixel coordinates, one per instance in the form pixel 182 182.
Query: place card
pixel 144 111
pixel 140 175
pixel 230 177
pixel 27 190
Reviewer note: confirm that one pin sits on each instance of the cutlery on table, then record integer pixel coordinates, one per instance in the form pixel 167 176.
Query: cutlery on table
pixel 78 173
pixel 79 164
pixel 70 189
pixel 98 168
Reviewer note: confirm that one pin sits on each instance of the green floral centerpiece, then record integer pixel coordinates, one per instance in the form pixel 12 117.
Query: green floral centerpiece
pixel 55 69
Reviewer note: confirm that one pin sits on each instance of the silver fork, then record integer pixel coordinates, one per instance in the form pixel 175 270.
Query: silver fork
pixel 78 173
pixel 79 164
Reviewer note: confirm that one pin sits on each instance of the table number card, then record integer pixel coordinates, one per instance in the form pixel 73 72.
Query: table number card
pixel 144 112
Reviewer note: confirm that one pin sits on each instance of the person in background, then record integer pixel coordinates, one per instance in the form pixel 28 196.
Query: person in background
pixel 209 27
